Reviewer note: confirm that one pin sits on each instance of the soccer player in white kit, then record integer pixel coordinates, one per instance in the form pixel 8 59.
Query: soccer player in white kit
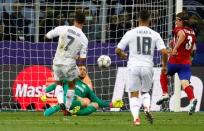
pixel 141 41
pixel 72 41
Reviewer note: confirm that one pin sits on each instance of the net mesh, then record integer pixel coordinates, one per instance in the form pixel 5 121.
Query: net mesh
pixel 26 56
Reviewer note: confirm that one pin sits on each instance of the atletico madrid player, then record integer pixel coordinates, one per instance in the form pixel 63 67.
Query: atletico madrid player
pixel 179 60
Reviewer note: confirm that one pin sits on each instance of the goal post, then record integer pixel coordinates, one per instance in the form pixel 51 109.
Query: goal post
pixel 177 83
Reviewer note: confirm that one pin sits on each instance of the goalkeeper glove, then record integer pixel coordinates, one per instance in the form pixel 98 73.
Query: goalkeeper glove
pixel 116 104
pixel 43 96
pixel 72 112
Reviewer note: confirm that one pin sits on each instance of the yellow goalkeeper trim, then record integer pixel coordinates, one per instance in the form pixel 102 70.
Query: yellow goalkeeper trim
pixel 118 104
pixel 43 98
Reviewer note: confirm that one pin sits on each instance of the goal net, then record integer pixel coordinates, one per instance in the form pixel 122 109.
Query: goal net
pixel 26 56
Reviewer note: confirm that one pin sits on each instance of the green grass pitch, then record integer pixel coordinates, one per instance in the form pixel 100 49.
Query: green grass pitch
pixel 100 121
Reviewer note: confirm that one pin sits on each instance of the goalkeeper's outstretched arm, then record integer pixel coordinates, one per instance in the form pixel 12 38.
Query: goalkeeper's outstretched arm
pixel 101 103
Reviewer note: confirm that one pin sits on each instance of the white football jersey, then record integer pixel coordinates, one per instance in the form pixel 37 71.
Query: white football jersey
pixel 141 41
pixel 71 42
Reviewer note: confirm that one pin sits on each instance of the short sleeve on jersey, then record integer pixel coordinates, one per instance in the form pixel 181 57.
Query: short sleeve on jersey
pixel 55 32
pixel 123 42
pixel 177 29
pixel 160 43
pixel 83 51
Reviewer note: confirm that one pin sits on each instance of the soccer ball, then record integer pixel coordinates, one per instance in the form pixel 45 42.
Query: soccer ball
pixel 104 61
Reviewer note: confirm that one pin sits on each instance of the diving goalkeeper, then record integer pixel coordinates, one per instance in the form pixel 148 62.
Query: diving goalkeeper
pixel 85 98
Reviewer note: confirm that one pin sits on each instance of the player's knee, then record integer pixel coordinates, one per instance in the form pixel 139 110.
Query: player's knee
pixel 85 102
pixel 94 104
pixel 184 83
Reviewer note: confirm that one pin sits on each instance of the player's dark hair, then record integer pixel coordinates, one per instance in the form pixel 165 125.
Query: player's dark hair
pixel 80 17
pixel 144 15
pixel 184 17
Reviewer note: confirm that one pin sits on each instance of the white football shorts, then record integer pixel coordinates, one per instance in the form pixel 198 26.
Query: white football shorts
pixel 140 79
pixel 65 72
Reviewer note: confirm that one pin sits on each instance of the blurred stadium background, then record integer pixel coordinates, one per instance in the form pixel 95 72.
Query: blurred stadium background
pixel 26 56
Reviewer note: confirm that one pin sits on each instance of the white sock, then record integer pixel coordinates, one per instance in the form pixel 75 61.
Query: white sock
pixel 60 95
pixel 146 101
pixel 70 97
pixel 135 107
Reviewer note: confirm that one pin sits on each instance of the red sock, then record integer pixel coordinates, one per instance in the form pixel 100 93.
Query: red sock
pixel 164 83
pixel 189 92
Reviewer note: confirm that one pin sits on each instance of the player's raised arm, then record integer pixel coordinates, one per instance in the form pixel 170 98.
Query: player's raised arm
pixel 83 53
pixel 54 32
pixel 181 39
pixel 162 48
pixel 171 46
pixel 181 21
pixel 164 60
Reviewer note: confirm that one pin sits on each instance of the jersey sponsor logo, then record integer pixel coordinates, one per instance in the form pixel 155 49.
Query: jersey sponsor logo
pixel 29 84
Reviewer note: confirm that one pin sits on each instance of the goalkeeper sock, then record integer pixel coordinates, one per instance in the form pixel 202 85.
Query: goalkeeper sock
pixel 51 87
pixel 65 90
pixel 135 107
pixel 164 83
pixel 146 101
pixel 51 110
pixel 189 92
pixel 86 111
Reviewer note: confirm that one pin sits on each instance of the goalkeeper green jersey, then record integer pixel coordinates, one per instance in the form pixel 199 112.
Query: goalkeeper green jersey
pixel 82 90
